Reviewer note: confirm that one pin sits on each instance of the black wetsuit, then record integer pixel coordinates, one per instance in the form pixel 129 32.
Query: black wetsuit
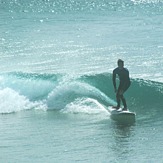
pixel 123 85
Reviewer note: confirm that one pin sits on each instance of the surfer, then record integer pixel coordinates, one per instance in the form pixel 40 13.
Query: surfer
pixel 124 84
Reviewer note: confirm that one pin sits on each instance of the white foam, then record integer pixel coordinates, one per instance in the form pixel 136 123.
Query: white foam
pixel 12 101
pixel 86 106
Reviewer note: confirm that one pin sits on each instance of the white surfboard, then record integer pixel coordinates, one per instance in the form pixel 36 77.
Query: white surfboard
pixel 121 116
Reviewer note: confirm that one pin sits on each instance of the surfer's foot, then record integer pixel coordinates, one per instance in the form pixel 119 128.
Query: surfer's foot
pixel 124 109
pixel 116 107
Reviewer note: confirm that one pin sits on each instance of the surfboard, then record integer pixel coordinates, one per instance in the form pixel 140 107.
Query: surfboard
pixel 120 116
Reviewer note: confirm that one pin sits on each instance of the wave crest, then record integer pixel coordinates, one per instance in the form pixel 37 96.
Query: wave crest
pixel 26 91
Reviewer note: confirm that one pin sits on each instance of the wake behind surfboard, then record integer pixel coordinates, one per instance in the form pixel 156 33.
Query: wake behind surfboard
pixel 120 116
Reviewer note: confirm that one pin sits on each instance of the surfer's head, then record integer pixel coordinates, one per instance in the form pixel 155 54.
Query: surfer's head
pixel 120 63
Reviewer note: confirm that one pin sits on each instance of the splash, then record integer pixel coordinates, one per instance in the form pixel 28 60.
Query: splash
pixel 85 106
pixel 11 101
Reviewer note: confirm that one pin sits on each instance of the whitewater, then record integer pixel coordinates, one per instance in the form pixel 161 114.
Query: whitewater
pixel 56 63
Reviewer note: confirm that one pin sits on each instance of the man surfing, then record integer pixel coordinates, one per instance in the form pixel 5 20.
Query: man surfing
pixel 124 83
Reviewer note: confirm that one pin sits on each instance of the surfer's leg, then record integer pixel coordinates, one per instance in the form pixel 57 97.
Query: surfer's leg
pixel 124 102
pixel 122 97
pixel 118 100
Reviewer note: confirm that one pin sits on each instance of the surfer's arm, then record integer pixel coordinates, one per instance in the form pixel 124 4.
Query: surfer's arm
pixel 114 81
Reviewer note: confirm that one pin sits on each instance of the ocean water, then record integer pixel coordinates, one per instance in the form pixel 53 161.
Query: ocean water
pixel 56 62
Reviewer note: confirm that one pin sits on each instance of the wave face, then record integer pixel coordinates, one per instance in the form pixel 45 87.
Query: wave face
pixel 66 6
pixel 88 93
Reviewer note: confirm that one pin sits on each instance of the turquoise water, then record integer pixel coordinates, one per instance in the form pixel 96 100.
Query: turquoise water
pixel 56 64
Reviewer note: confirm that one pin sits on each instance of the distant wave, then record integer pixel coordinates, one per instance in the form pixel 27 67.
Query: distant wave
pixel 20 91
pixel 71 6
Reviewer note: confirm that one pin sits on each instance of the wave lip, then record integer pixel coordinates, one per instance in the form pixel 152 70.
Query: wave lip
pixel 68 92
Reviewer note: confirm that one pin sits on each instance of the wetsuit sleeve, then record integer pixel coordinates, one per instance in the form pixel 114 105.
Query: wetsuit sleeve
pixel 114 79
